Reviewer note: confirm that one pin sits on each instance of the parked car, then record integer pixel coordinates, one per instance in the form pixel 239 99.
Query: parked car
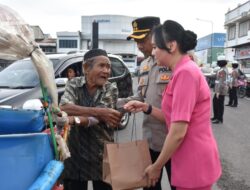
pixel 210 74
pixel 19 82
pixel 246 72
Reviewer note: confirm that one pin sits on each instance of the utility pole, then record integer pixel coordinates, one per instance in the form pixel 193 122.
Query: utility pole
pixel 95 35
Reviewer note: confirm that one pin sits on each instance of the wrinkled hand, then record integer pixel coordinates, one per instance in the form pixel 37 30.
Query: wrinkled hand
pixel 152 174
pixel 61 119
pixel 135 106
pixel 110 116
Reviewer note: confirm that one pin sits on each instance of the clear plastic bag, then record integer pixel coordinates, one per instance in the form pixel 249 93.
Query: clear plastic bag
pixel 17 42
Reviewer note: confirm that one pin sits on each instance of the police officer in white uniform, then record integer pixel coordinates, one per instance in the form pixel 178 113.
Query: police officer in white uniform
pixel 221 89
pixel 152 81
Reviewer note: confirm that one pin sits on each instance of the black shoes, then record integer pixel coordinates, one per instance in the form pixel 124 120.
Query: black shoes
pixel 213 119
pixel 217 121
pixel 231 105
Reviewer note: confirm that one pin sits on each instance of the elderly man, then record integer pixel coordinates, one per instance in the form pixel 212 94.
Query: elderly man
pixel 89 101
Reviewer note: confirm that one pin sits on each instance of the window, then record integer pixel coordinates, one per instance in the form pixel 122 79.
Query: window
pixel 231 32
pixel 243 28
pixel 117 68
pixel 67 43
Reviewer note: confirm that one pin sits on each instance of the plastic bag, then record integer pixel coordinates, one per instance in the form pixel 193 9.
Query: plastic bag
pixel 17 42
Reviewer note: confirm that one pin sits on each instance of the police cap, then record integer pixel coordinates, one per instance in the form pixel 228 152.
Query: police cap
pixel 143 26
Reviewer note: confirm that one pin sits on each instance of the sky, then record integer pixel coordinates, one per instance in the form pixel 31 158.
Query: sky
pixel 65 15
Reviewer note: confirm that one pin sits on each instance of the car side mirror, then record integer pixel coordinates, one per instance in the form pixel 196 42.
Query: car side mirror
pixel 61 81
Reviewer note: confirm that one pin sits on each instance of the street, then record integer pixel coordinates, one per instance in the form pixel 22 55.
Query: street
pixel 234 145
pixel 233 141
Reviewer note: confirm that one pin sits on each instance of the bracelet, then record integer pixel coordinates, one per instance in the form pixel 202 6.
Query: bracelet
pixel 150 108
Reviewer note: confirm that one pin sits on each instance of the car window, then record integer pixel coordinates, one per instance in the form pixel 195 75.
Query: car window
pixel 21 74
pixel 65 63
pixel 77 68
pixel 55 62
pixel 117 68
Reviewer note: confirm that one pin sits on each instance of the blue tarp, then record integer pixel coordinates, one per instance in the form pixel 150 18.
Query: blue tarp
pixel 14 121
pixel 22 159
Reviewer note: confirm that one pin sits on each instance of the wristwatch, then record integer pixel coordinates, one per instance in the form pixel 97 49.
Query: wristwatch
pixel 77 120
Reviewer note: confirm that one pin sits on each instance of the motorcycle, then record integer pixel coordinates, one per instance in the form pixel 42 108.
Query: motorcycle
pixel 242 87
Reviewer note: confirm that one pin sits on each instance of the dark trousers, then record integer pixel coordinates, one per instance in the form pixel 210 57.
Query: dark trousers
pixel 233 99
pixel 154 156
pixel 83 185
pixel 218 107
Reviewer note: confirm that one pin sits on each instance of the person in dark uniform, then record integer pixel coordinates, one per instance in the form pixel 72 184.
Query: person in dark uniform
pixel 152 82
pixel 221 89
pixel 233 86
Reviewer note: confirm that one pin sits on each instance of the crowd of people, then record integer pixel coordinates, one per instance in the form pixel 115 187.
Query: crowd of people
pixel 173 95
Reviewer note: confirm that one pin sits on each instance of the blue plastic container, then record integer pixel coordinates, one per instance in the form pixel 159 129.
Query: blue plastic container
pixel 22 159
pixel 13 121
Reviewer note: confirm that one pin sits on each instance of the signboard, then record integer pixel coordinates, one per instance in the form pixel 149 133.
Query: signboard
pixel 205 42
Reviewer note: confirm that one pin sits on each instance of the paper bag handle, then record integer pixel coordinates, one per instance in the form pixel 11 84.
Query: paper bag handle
pixel 133 132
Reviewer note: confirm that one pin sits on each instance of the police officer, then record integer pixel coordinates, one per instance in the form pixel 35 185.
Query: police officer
pixel 152 81
pixel 221 89
pixel 233 99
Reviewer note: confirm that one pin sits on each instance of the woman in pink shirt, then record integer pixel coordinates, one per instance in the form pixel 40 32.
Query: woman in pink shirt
pixel 186 106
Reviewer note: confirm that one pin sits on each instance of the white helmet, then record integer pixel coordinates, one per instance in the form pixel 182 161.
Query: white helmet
pixel 235 62
pixel 221 58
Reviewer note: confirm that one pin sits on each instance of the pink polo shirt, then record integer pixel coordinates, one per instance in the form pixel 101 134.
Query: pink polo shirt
pixel 187 98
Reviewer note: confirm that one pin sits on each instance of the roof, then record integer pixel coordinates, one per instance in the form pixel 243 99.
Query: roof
pixel 38 33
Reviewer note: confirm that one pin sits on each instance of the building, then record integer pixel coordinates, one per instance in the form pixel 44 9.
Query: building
pixel 111 35
pixel 237 24
pixel 113 32
pixel 209 47
pixel 68 41
pixel 45 42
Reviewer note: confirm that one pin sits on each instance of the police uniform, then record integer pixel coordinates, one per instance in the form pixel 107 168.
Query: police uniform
pixel 151 83
pixel 221 88
pixel 233 99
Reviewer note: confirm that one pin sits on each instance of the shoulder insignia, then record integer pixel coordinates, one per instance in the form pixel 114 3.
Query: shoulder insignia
pixel 145 68
pixel 165 77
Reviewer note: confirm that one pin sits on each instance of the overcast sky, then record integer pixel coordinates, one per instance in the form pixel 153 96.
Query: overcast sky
pixel 65 15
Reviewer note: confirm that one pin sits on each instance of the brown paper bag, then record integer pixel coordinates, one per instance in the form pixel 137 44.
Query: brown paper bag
pixel 124 164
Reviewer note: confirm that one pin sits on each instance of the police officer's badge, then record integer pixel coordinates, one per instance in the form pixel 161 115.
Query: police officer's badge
pixel 135 25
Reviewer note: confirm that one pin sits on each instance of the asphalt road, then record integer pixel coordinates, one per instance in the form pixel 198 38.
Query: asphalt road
pixel 233 138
